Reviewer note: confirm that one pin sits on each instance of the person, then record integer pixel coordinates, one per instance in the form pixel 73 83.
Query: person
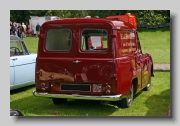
pixel 37 29
pixel 20 30
pixel 11 27
pixel 16 30
pixel 24 27
pixel 29 31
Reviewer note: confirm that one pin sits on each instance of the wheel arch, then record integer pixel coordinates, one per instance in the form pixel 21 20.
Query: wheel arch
pixel 135 84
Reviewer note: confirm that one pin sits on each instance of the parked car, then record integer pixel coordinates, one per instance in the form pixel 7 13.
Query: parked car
pixel 22 64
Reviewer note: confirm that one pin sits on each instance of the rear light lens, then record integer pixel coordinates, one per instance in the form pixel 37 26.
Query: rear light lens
pixel 43 89
pixel 44 86
pixel 108 87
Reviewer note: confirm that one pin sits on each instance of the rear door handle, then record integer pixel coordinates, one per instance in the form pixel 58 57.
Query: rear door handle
pixel 76 61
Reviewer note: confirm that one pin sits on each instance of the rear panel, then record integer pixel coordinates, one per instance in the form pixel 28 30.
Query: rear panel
pixel 68 64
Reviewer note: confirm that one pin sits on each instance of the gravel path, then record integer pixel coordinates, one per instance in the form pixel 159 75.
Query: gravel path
pixel 161 66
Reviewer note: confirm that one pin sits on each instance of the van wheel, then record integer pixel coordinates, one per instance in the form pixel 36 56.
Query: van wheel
pixel 127 102
pixel 148 86
pixel 58 101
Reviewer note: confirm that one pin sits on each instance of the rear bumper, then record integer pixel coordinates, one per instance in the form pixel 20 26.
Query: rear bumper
pixel 76 96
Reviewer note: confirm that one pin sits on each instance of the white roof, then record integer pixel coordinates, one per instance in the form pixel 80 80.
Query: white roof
pixel 14 38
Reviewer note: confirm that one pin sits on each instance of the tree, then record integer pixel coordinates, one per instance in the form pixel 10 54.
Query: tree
pixel 148 17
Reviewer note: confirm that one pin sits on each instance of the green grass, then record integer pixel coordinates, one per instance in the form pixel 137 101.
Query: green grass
pixel 31 43
pixel 146 103
pixel 154 42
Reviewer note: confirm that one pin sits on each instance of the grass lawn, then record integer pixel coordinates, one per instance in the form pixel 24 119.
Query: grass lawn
pixel 146 103
pixel 154 42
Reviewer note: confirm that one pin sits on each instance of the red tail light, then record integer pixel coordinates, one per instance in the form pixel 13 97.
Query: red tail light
pixel 108 92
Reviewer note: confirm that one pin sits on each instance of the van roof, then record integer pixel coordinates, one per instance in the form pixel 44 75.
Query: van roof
pixel 116 24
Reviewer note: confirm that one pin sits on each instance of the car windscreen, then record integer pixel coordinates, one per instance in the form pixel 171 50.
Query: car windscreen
pixel 16 48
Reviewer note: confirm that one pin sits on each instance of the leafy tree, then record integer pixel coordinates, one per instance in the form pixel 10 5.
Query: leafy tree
pixel 148 17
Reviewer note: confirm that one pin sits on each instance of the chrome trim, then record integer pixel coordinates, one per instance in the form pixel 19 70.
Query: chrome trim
pixel 23 64
pixel 76 96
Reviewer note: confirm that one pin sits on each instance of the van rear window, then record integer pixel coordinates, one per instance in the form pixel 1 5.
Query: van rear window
pixel 94 40
pixel 58 40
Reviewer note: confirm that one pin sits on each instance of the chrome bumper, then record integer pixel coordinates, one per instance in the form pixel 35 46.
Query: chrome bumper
pixel 76 96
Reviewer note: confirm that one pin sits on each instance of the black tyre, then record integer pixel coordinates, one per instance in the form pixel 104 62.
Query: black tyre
pixel 127 102
pixel 58 101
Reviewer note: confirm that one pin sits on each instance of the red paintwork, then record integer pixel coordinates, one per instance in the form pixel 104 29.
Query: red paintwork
pixel 115 66
pixel 130 18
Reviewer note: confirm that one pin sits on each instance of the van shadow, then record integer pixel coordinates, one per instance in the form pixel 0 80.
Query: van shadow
pixel 39 106
pixel 158 103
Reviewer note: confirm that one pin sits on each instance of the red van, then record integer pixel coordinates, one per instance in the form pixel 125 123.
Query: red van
pixel 92 59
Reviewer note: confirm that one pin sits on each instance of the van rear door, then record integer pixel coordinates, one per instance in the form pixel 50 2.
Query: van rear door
pixel 94 55
pixel 68 61
pixel 56 53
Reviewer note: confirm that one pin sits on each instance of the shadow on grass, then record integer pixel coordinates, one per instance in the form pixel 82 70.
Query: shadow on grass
pixel 39 106
pixel 158 103
pixel 19 90
pixel 162 70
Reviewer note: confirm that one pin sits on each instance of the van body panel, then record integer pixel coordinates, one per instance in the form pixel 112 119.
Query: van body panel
pixel 92 58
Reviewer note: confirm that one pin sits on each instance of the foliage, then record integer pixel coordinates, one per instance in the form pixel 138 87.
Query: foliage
pixel 148 17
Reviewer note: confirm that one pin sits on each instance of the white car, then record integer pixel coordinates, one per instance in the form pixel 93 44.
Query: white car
pixel 22 64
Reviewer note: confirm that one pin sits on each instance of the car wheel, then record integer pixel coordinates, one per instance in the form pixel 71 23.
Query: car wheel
pixel 58 101
pixel 148 86
pixel 127 102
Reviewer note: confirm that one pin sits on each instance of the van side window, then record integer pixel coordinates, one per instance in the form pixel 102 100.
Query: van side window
pixel 94 40
pixel 58 40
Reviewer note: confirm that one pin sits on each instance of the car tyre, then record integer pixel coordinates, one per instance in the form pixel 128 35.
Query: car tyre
pixel 127 102
pixel 58 101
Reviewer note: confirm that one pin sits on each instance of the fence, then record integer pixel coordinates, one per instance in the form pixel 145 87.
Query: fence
pixel 144 26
